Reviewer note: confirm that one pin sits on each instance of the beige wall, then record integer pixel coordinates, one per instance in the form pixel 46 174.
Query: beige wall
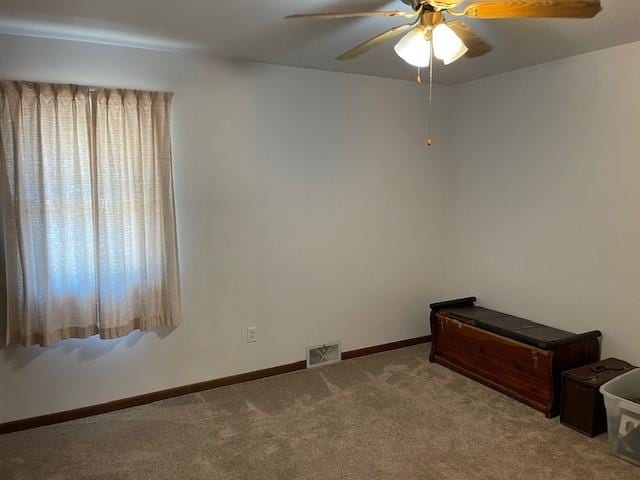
pixel 307 206
pixel 545 195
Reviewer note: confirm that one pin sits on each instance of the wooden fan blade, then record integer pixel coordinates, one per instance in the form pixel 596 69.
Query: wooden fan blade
pixel 372 42
pixel 476 45
pixel 330 15
pixel 534 8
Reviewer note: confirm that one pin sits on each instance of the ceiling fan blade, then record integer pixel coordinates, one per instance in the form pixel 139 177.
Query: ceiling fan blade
pixel 332 15
pixel 534 8
pixel 372 42
pixel 476 45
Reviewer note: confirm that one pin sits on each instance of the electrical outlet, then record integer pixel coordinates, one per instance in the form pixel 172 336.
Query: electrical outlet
pixel 251 335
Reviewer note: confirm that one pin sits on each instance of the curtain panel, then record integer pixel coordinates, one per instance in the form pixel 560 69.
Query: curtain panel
pixel 87 212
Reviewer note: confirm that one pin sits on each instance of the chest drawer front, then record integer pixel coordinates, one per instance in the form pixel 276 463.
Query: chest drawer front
pixel 520 368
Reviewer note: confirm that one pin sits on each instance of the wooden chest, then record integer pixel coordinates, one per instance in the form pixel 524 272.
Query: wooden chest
pixel 517 357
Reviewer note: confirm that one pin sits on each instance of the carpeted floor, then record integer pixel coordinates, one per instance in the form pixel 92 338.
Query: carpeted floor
pixel 386 416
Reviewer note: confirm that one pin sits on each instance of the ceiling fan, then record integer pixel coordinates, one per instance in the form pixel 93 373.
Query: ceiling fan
pixel 438 31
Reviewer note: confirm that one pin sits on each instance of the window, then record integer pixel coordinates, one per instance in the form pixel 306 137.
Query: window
pixel 87 212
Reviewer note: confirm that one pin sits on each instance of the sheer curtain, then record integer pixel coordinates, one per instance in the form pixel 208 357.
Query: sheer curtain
pixel 87 212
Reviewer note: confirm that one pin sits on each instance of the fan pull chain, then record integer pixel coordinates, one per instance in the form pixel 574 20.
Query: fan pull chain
pixel 418 78
pixel 429 140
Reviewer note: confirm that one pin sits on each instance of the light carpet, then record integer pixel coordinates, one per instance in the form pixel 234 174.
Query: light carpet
pixel 387 416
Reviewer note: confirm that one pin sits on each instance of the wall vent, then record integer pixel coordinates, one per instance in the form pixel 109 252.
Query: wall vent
pixel 324 354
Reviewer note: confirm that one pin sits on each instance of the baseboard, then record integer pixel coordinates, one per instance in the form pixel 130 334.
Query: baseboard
pixel 138 400
pixel 361 352
pixel 143 399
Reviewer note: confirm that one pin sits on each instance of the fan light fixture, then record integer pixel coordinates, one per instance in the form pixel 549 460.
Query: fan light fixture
pixel 414 48
pixel 447 46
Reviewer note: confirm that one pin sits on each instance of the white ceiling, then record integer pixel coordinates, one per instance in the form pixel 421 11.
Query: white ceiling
pixel 256 30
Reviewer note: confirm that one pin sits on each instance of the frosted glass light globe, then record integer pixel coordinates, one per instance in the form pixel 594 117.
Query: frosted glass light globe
pixel 447 46
pixel 414 48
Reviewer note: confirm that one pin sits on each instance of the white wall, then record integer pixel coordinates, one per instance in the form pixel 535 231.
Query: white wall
pixel 545 195
pixel 307 206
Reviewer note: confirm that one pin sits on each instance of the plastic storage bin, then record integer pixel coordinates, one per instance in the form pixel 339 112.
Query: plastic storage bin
pixel 622 401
